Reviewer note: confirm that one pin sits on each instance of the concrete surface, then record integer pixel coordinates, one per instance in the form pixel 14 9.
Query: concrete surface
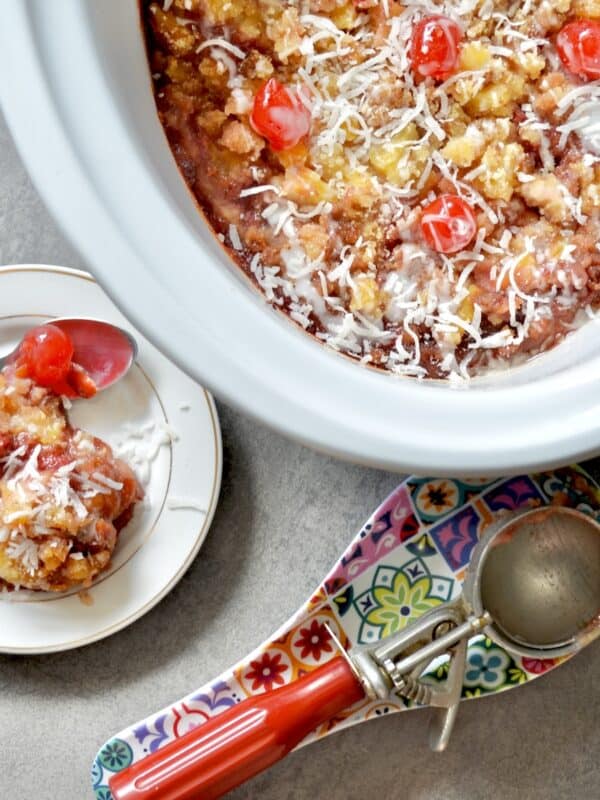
pixel 285 513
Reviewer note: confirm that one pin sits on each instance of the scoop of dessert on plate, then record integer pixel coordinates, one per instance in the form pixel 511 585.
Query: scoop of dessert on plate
pixel 64 496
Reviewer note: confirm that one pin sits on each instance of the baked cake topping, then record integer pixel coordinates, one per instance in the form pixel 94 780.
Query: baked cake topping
pixel 406 180
pixel 64 497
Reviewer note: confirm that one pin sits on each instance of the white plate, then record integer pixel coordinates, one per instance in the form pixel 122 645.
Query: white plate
pixel 77 96
pixel 161 541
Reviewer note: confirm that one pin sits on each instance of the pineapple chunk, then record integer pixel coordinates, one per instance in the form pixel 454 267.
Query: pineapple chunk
pixel 368 298
pixel 532 64
pixel 465 311
pixel 304 186
pixel 474 55
pixel 344 16
pixel 331 164
pixel 314 240
pixel 524 271
pixel 361 191
pixel 54 552
pixel 501 162
pixel 464 150
pixel 294 157
pixel 401 160
pixel 498 99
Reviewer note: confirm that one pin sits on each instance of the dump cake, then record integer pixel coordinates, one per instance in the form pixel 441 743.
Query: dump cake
pixel 408 181
pixel 64 497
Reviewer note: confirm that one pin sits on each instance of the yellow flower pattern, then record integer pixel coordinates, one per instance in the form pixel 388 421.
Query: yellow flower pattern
pixel 397 597
pixel 401 604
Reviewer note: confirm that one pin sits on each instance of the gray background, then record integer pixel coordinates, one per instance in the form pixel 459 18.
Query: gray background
pixel 285 514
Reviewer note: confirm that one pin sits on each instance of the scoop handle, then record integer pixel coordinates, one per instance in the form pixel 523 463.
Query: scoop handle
pixel 232 747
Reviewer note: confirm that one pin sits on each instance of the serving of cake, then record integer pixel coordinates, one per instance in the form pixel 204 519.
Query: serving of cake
pixel 64 496
pixel 408 181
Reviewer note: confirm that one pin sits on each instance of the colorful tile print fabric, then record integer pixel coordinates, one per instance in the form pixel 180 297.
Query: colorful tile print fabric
pixel 408 558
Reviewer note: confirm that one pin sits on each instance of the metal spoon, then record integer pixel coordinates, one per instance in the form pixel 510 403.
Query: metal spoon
pixel 533 587
pixel 105 351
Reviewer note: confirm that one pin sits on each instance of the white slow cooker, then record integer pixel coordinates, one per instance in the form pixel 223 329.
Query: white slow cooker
pixel 75 89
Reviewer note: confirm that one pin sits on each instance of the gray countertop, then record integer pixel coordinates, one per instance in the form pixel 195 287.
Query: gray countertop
pixel 285 513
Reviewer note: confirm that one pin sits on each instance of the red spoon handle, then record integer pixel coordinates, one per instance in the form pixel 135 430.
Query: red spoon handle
pixel 244 740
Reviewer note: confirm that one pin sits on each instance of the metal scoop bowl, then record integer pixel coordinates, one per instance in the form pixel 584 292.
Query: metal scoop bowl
pixel 539 579
pixel 533 585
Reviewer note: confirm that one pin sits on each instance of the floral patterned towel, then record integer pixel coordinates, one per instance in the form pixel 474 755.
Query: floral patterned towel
pixel 410 556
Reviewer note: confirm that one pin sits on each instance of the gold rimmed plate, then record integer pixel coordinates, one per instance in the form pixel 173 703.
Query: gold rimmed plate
pixel 160 421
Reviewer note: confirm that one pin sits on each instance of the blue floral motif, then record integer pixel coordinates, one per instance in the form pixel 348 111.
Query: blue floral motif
pixel 97 773
pixel 154 732
pixel 217 697
pixel 115 755
pixel 486 668
pixel 103 793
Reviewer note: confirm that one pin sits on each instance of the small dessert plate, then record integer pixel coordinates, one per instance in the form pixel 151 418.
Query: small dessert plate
pixel 165 426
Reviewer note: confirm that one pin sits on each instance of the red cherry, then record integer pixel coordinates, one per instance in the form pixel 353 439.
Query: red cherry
pixel 448 224
pixel 578 45
pixel 434 50
pixel 46 353
pixel 279 115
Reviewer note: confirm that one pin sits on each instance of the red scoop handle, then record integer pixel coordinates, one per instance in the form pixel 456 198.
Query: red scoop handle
pixel 246 739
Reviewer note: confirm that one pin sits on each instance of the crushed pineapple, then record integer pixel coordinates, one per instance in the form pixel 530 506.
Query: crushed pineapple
pixel 532 64
pixel 304 186
pixel 463 150
pixel 368 298
pixel 501 162
pixel 361 192
pixel 474 55
pixel 344 16
pixel 498 99
pixel 403 158
pixel 314 240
